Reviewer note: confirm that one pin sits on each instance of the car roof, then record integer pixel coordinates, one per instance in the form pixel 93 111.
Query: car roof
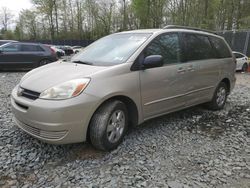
pixel 166 30
pixel 28 43
pixel 8 41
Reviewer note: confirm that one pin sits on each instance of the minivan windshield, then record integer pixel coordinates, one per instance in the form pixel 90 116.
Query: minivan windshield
pixel 111 50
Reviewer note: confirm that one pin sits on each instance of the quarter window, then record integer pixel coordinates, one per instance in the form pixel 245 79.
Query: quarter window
pixel 167 46
pixel 197 47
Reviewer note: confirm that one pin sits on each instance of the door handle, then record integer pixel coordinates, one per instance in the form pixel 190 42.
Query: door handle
pixel 181 70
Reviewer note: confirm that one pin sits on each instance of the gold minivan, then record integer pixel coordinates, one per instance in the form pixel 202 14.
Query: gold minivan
pixel 123 80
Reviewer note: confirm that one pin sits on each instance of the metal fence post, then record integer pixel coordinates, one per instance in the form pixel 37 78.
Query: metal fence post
pixel 246 43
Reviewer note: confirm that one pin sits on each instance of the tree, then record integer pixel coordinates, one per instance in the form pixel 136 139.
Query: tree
pixel 6 17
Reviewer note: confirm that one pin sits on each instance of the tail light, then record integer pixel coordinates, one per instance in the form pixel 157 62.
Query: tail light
pixel 51 49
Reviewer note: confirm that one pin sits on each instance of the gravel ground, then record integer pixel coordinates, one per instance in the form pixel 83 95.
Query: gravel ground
pixel 191 148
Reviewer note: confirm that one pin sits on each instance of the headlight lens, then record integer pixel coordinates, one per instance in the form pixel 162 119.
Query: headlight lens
pixel 65 90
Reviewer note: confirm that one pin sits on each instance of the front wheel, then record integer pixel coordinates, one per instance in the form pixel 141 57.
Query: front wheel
pixel 220 97
pixel 109 125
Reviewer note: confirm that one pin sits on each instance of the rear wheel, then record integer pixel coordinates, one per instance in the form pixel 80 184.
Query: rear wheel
pixel 109 125
pixel 220 97
pixel 44 62
pixel 245 67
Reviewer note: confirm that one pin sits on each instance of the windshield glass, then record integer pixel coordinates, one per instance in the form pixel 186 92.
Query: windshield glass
pixel 112 50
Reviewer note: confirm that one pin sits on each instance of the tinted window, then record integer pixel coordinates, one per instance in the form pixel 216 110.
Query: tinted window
pixel 222 49
pixel 237 55
pixel 30 48
pixel 11 48
pixel 197 47
pixel 167 46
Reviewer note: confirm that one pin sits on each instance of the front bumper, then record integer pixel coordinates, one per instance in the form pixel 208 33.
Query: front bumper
pixel 56 122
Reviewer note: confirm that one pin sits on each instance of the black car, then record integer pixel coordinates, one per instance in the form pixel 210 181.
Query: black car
pixel 18 55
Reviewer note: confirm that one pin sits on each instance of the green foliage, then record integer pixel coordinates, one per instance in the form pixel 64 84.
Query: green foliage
pixel 92 19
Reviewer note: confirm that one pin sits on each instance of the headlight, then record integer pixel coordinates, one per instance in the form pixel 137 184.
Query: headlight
pixel 65 90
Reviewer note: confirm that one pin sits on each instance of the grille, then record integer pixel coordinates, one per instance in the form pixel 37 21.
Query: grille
pixel 52 135
pixel 29 94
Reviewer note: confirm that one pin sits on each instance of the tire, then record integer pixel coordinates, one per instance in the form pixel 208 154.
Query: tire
pixel 244 67
pixel 44 62
pixel 109 125
pixel 220 97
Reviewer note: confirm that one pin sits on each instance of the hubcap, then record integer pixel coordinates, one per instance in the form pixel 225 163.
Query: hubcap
pixel 221 96
pixel 116 125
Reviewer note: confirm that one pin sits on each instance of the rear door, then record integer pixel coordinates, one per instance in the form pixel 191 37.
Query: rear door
pixel 31 55
pixel 163 88
pixel 203 69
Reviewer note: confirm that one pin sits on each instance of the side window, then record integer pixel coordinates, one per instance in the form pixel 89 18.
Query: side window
pixel 237 55
pixel 167 46
pixel 28 48
pixel 222 49
pixel 39 49
pixel 197 47
pixel 11 48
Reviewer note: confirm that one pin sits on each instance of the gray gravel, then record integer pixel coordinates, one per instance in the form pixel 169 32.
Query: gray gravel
pixel 191 148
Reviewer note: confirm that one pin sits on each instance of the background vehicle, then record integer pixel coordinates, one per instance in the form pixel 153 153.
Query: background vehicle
pixel 67 49
pixel 59 52
pixel 77 49
pixel 149 73
pixel 241 61
pixel 6 41
pixel 18 55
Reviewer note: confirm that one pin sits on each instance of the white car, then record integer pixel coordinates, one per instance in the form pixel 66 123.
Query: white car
pixel 241 61
pixel 77 49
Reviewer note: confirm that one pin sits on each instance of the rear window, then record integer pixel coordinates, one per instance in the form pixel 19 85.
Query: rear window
pixel 197 47
pixel 222 50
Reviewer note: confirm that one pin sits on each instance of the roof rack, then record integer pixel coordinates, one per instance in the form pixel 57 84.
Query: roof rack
pixel 189 28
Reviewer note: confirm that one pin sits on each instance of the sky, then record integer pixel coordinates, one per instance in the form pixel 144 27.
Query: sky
pixel 15 5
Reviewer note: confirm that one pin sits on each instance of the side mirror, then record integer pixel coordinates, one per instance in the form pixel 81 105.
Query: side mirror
pixel 152 61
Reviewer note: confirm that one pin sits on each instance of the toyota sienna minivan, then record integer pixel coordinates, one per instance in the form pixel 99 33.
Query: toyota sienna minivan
pixel 123 80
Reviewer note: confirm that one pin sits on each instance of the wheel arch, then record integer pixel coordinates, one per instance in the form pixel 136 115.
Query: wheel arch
pixel 228 84
pixel 133 112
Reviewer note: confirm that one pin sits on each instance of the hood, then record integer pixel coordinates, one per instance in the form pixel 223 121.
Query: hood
pixel 52 74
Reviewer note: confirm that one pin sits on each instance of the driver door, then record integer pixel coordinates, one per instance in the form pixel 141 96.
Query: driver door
pixel 163 88
pixel 10 56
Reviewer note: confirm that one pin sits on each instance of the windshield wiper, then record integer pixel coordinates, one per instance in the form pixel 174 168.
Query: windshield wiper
pixel 82 62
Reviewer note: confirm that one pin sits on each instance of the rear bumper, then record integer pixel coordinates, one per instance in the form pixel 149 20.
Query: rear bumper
pixel 56 122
